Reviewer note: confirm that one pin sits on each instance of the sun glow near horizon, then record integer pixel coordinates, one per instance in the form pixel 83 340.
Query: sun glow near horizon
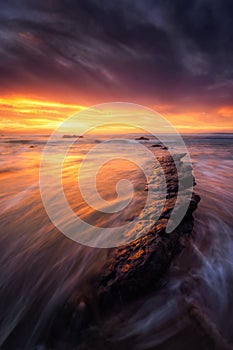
pixel 21 114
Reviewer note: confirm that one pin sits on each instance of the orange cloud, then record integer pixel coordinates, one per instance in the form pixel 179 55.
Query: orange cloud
pixel 21 114
pixel 33 115
pixel 226 111
pixel 191 120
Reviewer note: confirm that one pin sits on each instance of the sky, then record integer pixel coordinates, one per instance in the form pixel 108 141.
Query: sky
pixel 60 56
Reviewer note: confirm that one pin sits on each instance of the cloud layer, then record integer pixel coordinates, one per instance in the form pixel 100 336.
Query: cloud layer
pixel 164 51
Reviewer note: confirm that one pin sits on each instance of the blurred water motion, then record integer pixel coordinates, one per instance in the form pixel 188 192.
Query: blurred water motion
pixel 40 267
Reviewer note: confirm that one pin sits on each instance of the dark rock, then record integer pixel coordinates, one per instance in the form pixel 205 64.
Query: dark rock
pixel 142 138
pixel 159 145
pixel 156 145
pixel 72 136
pixel 132 270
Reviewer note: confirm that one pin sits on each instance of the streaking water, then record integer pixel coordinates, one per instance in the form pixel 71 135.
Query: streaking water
pixel 194 308
pixel 40 268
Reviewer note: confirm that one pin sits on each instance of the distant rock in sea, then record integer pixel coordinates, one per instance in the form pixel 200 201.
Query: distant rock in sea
pixel 141 138
pixel 156 145
pixel 72 136
pixel 159 145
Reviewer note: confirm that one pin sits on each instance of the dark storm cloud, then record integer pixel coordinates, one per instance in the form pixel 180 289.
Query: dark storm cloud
pixel 166 50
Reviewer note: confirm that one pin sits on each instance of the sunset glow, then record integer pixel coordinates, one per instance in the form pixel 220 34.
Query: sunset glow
pixel 28 115
pixel 57 60
pixel 22 114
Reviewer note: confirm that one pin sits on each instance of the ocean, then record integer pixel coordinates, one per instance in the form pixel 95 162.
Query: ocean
pixel 40 267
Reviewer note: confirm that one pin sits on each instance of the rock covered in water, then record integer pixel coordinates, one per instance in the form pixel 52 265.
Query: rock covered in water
pixel 133 269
